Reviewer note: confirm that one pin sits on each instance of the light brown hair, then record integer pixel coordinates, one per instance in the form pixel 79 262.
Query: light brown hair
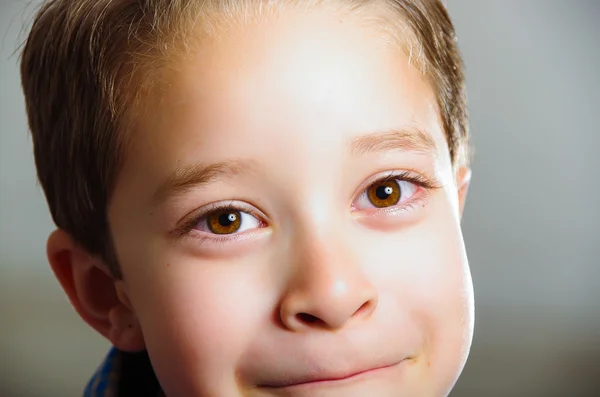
pixel 87 63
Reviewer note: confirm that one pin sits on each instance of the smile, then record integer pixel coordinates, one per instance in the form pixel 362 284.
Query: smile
pixel 320 380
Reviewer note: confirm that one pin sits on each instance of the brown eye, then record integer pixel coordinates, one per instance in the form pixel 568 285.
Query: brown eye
pixel 224 221
pixel 384 193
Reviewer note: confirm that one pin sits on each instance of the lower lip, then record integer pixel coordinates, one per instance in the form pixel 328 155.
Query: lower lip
pixel 341 381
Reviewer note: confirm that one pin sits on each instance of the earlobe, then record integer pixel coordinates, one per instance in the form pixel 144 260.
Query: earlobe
pixel 93 292
pixel 463 181
pixel 126 332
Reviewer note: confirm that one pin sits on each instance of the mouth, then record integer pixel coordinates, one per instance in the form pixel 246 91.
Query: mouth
pixel 324 379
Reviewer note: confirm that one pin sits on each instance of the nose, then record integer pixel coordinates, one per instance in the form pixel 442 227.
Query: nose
pixel 327 291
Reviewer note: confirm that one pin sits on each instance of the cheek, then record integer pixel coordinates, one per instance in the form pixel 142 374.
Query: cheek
pixel 445 298
pixel 446 306
pixel 424 271
pixel 197 320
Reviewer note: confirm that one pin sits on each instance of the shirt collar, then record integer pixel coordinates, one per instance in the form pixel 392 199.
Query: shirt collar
pixel 123 374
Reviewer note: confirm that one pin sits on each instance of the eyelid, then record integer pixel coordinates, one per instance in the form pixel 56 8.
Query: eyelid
pixel 424 184
pixel 406 175
pixel 190 220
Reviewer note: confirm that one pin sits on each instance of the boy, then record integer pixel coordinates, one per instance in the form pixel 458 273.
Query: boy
pixel 257 198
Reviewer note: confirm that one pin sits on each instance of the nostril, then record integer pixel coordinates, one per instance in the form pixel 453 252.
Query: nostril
pixel 307 318
pixel 364 309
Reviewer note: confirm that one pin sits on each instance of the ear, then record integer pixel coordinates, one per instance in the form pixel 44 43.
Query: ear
pixel 98 298
pixel 463 180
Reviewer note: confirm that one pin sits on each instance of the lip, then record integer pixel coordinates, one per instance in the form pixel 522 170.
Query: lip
pixel 325 379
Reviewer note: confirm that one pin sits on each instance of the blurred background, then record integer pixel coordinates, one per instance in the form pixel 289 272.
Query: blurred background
pixel 532 221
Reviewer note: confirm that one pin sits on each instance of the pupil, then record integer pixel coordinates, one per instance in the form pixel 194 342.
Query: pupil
pixel 226 219
pixel 383 192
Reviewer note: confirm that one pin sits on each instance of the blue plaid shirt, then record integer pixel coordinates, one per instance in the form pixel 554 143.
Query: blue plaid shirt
pixel 124 375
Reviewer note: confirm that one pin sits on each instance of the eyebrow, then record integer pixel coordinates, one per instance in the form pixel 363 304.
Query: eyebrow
pixel 185 178
pixel 192 176
pixel 409 139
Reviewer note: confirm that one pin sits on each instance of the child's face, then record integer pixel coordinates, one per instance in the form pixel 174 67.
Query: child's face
pixel 262 253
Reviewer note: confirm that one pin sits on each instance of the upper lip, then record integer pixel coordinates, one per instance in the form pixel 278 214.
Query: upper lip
pixel 323 376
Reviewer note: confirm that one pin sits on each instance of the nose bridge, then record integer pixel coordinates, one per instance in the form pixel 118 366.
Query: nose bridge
pixel 328 287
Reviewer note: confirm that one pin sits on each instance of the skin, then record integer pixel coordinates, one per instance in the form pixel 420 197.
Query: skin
pixel 320 284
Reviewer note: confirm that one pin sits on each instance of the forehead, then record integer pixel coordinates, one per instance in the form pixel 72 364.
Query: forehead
pixel 287 81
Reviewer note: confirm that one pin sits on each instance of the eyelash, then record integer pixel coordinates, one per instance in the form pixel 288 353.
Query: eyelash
pixel 187 228
pixel 419 180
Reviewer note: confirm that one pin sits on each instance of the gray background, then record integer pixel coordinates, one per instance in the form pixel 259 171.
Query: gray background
pixel 531 224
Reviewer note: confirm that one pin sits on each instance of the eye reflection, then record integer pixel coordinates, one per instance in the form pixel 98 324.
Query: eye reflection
pixel 384 193
pixel 224 221
pixel 392 191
